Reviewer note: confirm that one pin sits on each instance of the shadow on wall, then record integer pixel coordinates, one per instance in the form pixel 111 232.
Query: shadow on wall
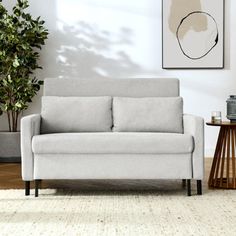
pixel 85 51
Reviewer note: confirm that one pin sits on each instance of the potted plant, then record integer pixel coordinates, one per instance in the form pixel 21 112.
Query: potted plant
pixel 21 38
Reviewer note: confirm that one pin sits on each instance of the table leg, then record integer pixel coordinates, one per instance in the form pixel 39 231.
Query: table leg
pixel 218 148
pixel 223 162
pixel 219 154
pixel 233 157
pixel 228 158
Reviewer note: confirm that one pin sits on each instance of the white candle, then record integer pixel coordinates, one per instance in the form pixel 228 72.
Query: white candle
pixel 216 117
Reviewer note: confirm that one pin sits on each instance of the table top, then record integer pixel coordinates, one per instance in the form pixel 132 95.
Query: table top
pixel 223 123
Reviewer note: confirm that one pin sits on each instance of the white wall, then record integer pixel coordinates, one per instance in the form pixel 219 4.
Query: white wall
pixel 120 38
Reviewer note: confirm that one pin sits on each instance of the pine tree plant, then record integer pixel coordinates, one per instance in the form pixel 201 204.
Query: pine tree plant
pixel 21 38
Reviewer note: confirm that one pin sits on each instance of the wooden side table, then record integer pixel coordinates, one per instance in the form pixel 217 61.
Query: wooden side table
pixel 222 173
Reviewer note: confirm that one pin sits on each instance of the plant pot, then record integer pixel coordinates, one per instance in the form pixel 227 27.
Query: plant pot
pixel 10 147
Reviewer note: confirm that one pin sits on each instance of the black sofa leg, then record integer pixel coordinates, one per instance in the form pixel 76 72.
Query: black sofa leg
pixel 199 187
pixel 27 188
pixel 37 184
pixel 184 183
pixel 189 187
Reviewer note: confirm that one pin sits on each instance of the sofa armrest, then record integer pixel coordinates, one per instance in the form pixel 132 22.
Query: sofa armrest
pixel 194 125
pixel 30 126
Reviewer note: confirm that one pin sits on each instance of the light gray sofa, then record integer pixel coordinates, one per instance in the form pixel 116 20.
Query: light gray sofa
pixel 112 129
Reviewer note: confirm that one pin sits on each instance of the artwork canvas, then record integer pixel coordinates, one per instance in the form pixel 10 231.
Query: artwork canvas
pixel 192 34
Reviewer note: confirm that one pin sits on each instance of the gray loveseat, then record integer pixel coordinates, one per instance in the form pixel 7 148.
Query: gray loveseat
pixel 112 129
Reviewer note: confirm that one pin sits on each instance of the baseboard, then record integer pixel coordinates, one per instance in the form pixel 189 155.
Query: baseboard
pixel 209 152
pixel 10 159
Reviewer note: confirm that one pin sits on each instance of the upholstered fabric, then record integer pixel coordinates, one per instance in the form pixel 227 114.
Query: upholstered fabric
pixel 76 114
pixel 161 87
pixel 97 143
pixel 148 114
pixel 111 166
pixel 30 126
pixel 111 155
pixel 194 126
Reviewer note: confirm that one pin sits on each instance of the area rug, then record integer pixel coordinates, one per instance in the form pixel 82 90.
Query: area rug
pixel 117 213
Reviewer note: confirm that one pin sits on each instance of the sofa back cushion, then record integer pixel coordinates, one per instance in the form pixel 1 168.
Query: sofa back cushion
pixel 76 114
pixel 148 114
pixel 114 87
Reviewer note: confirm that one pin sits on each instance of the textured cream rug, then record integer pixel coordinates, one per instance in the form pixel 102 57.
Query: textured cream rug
pixel 117 213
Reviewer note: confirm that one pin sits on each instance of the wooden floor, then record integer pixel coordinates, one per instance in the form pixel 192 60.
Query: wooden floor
pixel 10 178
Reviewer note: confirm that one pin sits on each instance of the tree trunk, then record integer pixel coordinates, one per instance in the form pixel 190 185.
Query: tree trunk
pixel 14 121
pixel 9 120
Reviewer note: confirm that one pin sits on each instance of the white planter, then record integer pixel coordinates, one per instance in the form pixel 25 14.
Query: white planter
pixel 10 146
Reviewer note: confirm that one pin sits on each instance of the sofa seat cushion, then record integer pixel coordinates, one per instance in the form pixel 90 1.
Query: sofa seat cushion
pixel 112 143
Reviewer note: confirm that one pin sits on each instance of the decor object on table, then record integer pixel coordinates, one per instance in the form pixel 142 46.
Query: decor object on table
pixel 21 39
pixel 193 34
pixel 216 117
pixel 135 129
pixel 223 174
pixel 231 108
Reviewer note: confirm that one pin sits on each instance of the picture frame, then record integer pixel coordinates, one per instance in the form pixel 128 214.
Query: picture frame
pixel 193 34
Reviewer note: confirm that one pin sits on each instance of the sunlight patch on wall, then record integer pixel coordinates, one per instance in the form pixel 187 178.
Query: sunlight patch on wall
pixel 126 26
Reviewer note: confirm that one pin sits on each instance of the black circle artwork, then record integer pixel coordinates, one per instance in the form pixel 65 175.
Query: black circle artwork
pixel 214 43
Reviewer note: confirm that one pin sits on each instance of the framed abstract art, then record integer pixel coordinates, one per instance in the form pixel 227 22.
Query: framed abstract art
pixel 193 34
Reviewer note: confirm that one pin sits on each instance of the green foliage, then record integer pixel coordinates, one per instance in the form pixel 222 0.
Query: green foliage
pixel 21 38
